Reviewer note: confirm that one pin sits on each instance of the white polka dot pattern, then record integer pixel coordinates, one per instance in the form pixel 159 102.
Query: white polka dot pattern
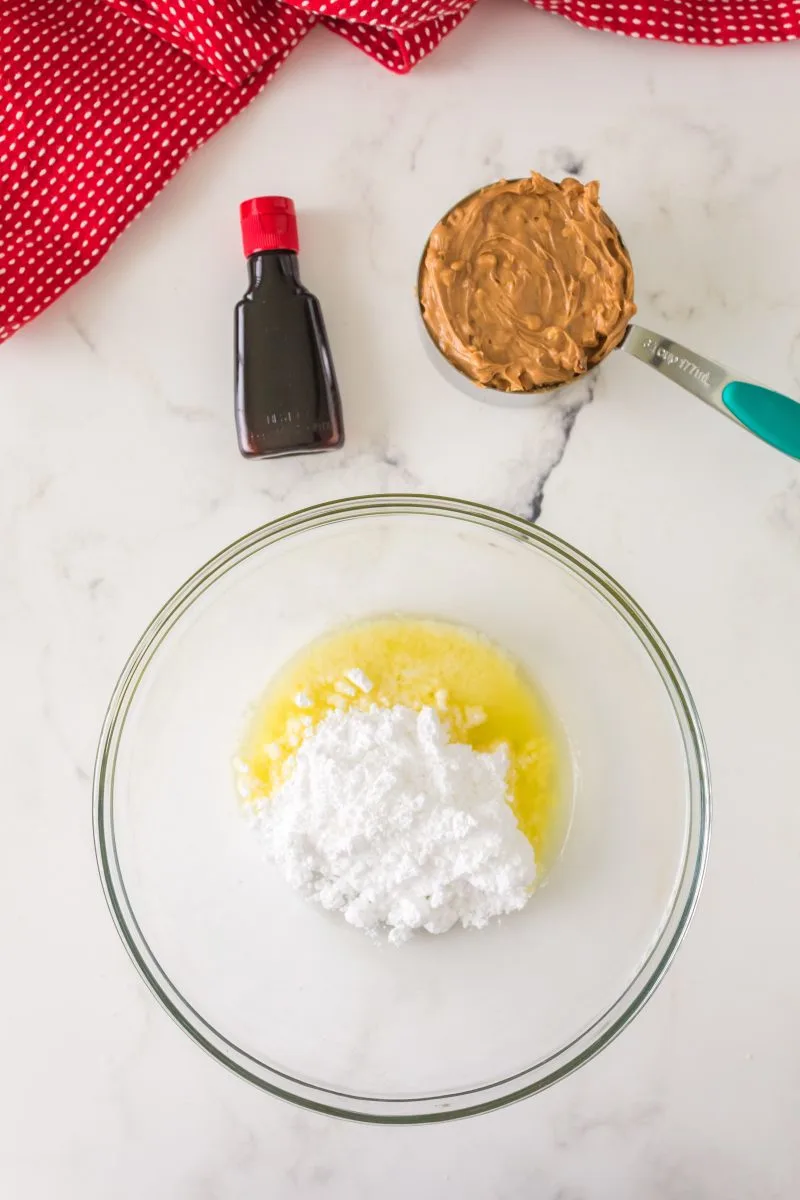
pixel 102 100
pixel 230 38
pixel 400 45
pixel 696 22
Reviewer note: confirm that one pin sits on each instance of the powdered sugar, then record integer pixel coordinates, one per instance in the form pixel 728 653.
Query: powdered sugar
pixel 381 817
pixel 357 677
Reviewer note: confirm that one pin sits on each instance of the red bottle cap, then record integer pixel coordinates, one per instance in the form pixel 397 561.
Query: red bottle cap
pixel 268 223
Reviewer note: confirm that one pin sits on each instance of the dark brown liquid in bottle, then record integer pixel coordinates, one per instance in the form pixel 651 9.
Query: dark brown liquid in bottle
pixel 287 398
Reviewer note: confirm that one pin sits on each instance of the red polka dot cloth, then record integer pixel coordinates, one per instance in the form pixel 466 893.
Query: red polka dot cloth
pixel 102 100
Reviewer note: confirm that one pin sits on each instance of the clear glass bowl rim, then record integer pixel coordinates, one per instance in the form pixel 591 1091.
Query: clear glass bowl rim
pixel 404 1110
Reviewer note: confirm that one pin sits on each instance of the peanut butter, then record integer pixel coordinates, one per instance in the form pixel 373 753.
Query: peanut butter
pixel 526 284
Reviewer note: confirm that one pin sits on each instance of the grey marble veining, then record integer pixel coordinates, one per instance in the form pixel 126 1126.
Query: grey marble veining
pixel 120 474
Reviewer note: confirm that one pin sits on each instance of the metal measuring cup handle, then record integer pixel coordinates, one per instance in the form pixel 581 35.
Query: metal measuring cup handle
pixel 771 416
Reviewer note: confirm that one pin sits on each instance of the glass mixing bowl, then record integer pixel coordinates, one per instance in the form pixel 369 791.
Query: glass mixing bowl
pixel 290 997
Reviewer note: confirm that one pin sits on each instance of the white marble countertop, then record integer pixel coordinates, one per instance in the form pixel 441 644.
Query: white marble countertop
pixel 120 474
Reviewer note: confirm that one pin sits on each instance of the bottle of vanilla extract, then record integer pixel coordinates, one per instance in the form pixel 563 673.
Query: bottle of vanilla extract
pixel 287 399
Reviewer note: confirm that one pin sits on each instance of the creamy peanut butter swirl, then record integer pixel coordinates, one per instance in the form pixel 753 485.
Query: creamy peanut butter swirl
pixel 526 284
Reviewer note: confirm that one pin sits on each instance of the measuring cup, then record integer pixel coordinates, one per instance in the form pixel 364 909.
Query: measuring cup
pixel 769 415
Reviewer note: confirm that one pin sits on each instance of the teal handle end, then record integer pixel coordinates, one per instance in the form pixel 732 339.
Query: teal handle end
pixel 769 415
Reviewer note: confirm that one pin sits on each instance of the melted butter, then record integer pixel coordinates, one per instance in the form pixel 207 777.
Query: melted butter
pixel 478 690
